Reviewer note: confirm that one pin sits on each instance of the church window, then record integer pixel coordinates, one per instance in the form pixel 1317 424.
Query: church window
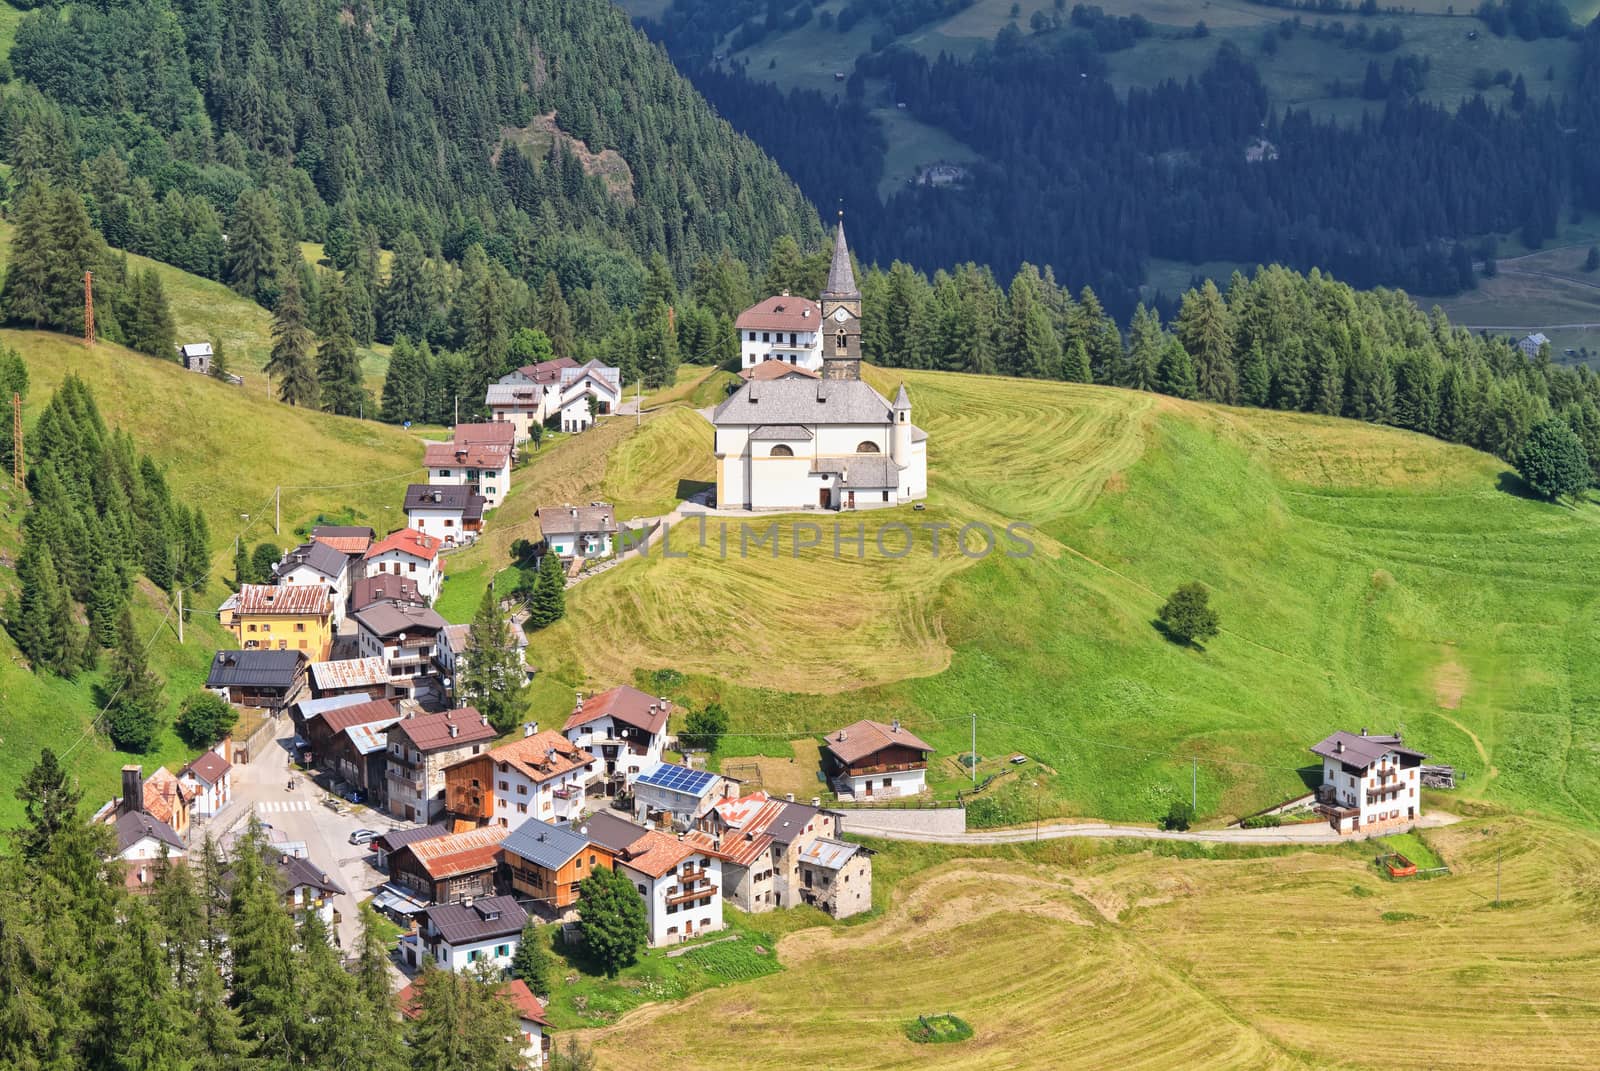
pixel 842 342
pixel 868 447
pixel 782 451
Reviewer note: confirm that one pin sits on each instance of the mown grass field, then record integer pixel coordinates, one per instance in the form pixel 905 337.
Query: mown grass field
pixel 1070 954
pixel 1365 576
pixel 223 450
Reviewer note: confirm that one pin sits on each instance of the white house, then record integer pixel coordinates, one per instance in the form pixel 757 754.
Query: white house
pixel 539 776
pixel 832 443
pixel 210 776
pixel 871 760
pixel 453 514
pixel 624 729
pixel 483 470
pixel 675 797
pixel 310 888
pixel 406 637
pixel 411 554
pixel 681 887
pixel 587 391
pixel 318 563
pixel 460 936
pixel 1368 782
pixel 143 839
pixel 785 328
pixel 579 531
pixel 530 395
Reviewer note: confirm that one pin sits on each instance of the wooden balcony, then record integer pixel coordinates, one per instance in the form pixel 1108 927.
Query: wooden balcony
pixel 886 767
pixel 697 893
pixel 689 877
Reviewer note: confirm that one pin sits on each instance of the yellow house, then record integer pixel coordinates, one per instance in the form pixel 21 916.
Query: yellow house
pixel 293 617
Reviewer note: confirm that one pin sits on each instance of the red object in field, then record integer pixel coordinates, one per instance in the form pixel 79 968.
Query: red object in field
pixel 1399 866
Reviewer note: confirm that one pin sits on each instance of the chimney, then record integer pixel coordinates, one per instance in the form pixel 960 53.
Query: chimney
pixel 132 789
pixel 454 730
pixel 816 801
pixel 529 728
pixel 1363 730
pixel 841 736
pixel 1339 746
pixel 664 703
pixel 894 727
pixel 483 719
pixel 789 796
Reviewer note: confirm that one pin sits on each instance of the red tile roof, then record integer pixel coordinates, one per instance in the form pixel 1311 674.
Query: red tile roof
pixel 528 755
pixel 656 853
pixel 341 718
pixel 472 454
pixel 740 849
pixel 459 853
pixel 430 732
pixel 782 313
pixel 627 705
pixel 410 541
pixel 865 737
pixel 298 600
pixel 162 793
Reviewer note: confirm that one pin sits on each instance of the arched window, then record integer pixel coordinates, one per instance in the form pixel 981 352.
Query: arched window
pixel 868 447
pixel 841 342
pixel 782 451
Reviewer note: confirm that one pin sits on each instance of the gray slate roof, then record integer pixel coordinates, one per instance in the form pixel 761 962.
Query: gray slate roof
pixel 317 556
pixel 399 838
pixel 384 619
pixel 791 822
pixel 544 844
pixel 1360 750
pixel 610 831
pixel 781 431
pixel 297 872
pixel 493 916
pixel 841 276
pixel 254 669
pixel 445 497
pixel 134 826
pixel 803 401
pixel 573 520
pixel 861 471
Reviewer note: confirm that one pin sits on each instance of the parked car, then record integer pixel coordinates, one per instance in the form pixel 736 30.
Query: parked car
pixel 363 836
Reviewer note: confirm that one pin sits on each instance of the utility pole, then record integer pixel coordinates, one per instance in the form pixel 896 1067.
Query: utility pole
pixel 88 308
pixel 974 749
pixel 19 472
pixel 458 409
pixel 638 401
pixel 1194 785
pixel 277 511
pixel 180 613
pixel 1497 875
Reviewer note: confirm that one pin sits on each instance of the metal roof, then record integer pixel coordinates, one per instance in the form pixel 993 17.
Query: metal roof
pixel 828 853
pixel 493 916
pixel 254 669
pixel 350 673
pixel 804 401
pixel 1362 750
pixel 767 432
pixel 675 778
pixel 315 708
pixel 543 844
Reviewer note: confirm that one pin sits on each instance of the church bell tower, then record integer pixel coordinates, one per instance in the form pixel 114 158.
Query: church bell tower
pixel 841 314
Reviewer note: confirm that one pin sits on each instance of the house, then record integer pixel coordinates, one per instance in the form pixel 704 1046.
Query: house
pixel 162 796
pixel 587 391
pixel 786 330
pixel 351 540
pixel 459 936
pixel 768 370
pixel 530 1014
pixel 406 637
pixel 579 531
pixel 386 587
pixel 453 644
pixel 307 714
pixel 836 876
pixel 680 884
pixel 530 395
pixel 358 755
pixel 143 841
pixel 209 779
pixel 674 796
pixel 761 840
pixel 483 469
pixel 871 760
pixel 538 776
pixel 1531 345
pixel 410 554
pixel 196 357
pixel 420 749
pixel 488 435
pixel 545 862
pixel 318 563
pixel 1368 782
pixel 624 729
pixel 449 869
pixel 293 617
pixel 308 888
pixel 321 721
pixel 451 514
pixel 260 678
pixel 832 443
pixel 388 843
pixel 361 677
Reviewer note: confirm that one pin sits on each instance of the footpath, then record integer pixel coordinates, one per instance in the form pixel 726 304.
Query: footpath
pixel 860 823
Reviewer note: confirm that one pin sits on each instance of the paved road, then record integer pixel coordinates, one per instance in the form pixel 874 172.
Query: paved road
pixel 1307 834
pixel 260 787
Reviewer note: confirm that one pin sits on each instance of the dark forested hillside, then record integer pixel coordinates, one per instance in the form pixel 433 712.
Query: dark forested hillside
pixel 405 114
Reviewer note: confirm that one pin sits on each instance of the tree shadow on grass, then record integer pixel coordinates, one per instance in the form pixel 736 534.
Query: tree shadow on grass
pixel 1311 777
pixel 1512 484
pixel 687 489
pixel 1173 638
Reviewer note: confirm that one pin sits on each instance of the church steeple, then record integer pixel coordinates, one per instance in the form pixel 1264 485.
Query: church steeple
pixel 841 314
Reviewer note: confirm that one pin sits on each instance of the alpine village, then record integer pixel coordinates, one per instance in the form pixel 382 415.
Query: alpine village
pixel 538 538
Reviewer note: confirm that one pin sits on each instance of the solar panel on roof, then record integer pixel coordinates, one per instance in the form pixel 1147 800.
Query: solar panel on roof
pixel 678 779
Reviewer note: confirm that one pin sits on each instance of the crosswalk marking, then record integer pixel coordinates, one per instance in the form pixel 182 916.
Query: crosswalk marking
pixel 281 806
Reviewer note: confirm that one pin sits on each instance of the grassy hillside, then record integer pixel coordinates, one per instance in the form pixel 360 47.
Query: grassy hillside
pixel 225 451
pixel 1172 959
pixel 1365 576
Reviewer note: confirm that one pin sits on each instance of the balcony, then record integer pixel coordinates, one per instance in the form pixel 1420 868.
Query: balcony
pixel 887 767
pixel 691 895
pixel 568 792
pixel 1328 803
pixel 689 877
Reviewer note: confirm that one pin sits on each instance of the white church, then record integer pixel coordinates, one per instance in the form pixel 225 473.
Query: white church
pixel 797 442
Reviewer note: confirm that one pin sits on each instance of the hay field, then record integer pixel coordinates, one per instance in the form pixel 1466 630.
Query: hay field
pixel 1065 956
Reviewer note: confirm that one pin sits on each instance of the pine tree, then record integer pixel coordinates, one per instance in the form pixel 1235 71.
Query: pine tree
pixel 533 962
pixel 461 1022
pixel 338 367
pixel 25 296
pixel 219 361
pixel 374 1042
pixel 407 301
pixel 1146 343
pixel 255 255
pixel 1075 366
pixel 1204 328
pixel 555 317
pixel 1175 376
pixel 1255 377
pixel 141 1019
pixel 492 680
pixel 134 693
pixel 261 952
pixel 107 602
pixel 290 360
pixel 49 803
pixel 549 601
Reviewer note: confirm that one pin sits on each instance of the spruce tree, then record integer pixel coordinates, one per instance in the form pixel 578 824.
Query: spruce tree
pixel 533 962
pixel 133 692
pixel 107 602
pixel 49 803
pixel 338 367
pixel 1075 366
pixel 492 679
pixel 549 602
pixel 140 1011
pixel 555 317
pixel 1205 328
pixel 25 296
pixel 261 942
pixel 1176 376
pixel 219 361
pixel 406 302
pixel 290 361
pixel 255 247
pixel 1141 368
pixel 376 1044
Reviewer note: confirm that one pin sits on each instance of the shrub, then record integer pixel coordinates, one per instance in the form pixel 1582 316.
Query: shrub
pixel 205 718
pixel 1179 816
pixel 1188 616
pixel 1262 821
pixel 938 1029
